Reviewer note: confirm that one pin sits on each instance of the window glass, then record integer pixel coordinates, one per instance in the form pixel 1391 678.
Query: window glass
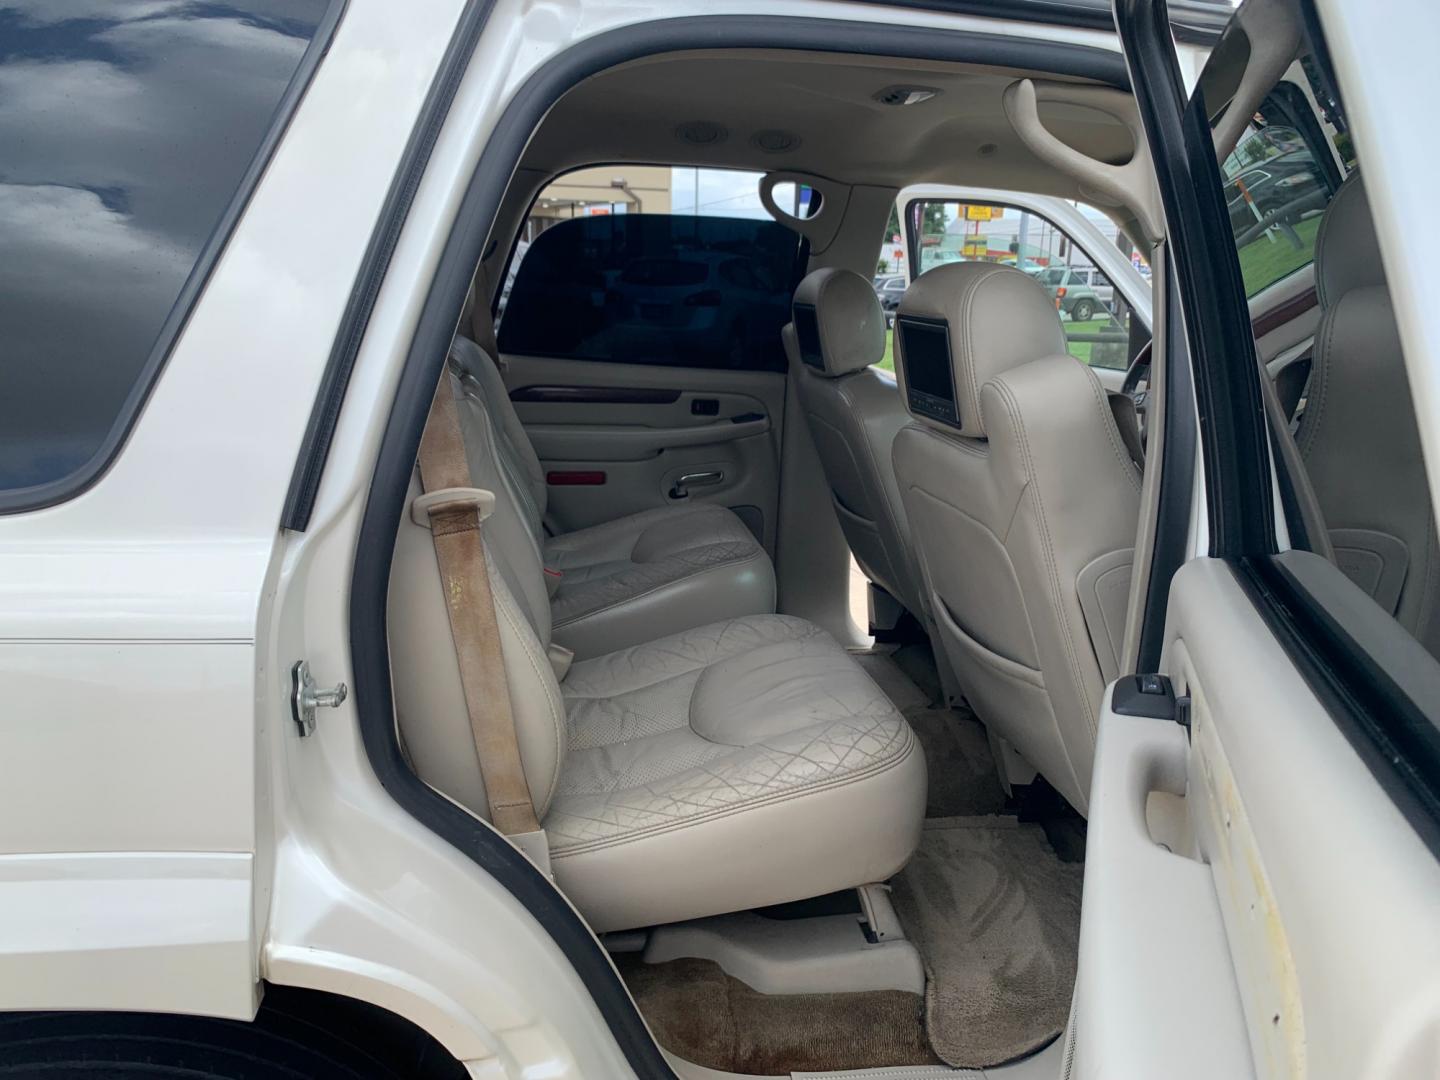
pixel 125 130
pixel 1275 191
pixel 651 265
pixel 1361 452
pixel 1094 313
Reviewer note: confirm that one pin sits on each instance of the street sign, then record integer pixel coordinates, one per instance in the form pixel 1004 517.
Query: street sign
pixel 983 213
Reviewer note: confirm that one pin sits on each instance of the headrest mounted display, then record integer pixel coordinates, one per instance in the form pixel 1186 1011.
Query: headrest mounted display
pixel 839 325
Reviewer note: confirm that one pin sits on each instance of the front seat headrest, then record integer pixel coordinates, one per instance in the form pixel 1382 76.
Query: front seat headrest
pixel 839 325
pixel 1347 254
pixel 995 317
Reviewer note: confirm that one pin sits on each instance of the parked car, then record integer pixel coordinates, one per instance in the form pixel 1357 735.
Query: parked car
pixel 1286 185
pixel 889 289
pixel 1081 292
pixel 698 303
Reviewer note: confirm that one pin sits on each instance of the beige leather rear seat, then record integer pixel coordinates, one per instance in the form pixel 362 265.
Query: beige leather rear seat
pixel 730 766
pixel 634 578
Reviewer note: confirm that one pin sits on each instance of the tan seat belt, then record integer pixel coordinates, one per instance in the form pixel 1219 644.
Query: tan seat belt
pixel 456 508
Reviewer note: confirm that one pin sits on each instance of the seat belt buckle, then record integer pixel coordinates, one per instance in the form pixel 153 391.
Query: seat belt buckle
pixel 452 498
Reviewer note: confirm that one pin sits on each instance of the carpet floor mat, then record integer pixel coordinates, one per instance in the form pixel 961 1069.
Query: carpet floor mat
pixel 996 917
pixel 963 781
pixel 707 1017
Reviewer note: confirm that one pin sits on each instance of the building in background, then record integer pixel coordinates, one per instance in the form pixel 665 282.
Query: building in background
pixel 607 189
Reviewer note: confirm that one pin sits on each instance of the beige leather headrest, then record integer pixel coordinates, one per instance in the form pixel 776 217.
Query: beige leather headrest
pixel 838 322
pixel 1347 254
pixel 998 319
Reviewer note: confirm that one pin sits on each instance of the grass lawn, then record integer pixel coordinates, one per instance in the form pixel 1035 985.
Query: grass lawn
pixel 1079 349
pixel 1263 261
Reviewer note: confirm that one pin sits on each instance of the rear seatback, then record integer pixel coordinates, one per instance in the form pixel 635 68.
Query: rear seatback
pixel 425 670
pixel 519 465
pixel 638 577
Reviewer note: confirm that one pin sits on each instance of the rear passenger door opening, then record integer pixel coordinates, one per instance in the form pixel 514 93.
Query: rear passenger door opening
pixel 729 803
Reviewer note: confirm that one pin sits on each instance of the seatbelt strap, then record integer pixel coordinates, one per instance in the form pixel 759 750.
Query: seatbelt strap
pixel 456 508
pixel 1127 420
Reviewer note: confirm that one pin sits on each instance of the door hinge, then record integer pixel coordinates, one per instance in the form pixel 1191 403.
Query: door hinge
pixel 305 698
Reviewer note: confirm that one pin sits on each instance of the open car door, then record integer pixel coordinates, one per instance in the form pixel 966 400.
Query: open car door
pixel 1262 885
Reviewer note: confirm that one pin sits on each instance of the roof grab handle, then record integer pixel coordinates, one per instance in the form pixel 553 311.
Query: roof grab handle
pixel 1131 185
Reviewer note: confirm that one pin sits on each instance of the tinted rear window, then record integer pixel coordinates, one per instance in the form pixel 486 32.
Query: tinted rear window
pixel 126 127
pixel 654 289
pixel 671 273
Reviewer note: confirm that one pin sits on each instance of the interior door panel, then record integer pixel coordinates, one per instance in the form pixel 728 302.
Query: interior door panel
pixel 1255 902
pixel 644 428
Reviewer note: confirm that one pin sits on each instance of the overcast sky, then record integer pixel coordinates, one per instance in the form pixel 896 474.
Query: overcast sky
pixel 722 192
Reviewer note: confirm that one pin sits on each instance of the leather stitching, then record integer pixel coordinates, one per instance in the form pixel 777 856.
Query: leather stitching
pixel 1007 396
pixel 1112 431
pixel 787 795
pixel 1319 396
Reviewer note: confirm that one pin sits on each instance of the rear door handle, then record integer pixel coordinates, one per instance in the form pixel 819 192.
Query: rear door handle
pixel 682 487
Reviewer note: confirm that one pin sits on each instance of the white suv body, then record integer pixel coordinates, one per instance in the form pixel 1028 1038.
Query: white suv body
pixel 169 841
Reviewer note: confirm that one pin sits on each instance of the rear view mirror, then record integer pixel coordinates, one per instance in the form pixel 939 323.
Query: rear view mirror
pixel 796 200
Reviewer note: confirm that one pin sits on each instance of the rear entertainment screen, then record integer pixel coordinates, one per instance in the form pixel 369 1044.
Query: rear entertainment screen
pixel 807 334
pixel 929 381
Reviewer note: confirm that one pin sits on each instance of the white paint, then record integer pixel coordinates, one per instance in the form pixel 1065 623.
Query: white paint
pixel 104 931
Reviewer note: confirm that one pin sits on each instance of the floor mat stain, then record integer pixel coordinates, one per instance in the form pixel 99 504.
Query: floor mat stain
pixel 996 917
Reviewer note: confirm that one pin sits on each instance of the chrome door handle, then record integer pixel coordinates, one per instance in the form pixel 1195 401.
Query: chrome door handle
pixel 681 489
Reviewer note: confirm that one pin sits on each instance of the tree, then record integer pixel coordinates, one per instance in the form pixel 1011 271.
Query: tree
pixel 933 222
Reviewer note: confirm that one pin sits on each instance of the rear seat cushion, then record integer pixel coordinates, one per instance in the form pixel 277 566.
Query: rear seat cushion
pixel 745 763
pixel 655 573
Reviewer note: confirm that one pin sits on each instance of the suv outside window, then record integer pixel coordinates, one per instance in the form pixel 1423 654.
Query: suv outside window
pixel 127 133
pixel 1276 190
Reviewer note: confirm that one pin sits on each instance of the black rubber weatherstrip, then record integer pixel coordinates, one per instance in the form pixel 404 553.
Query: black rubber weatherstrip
pixel 1159 94
pixel 67 487
pixel 1207 277
pixel 401 440
pixel 1389 731
pixel 1171 546
pixel 320 429
pixel 1094 15
pixel 1196 21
